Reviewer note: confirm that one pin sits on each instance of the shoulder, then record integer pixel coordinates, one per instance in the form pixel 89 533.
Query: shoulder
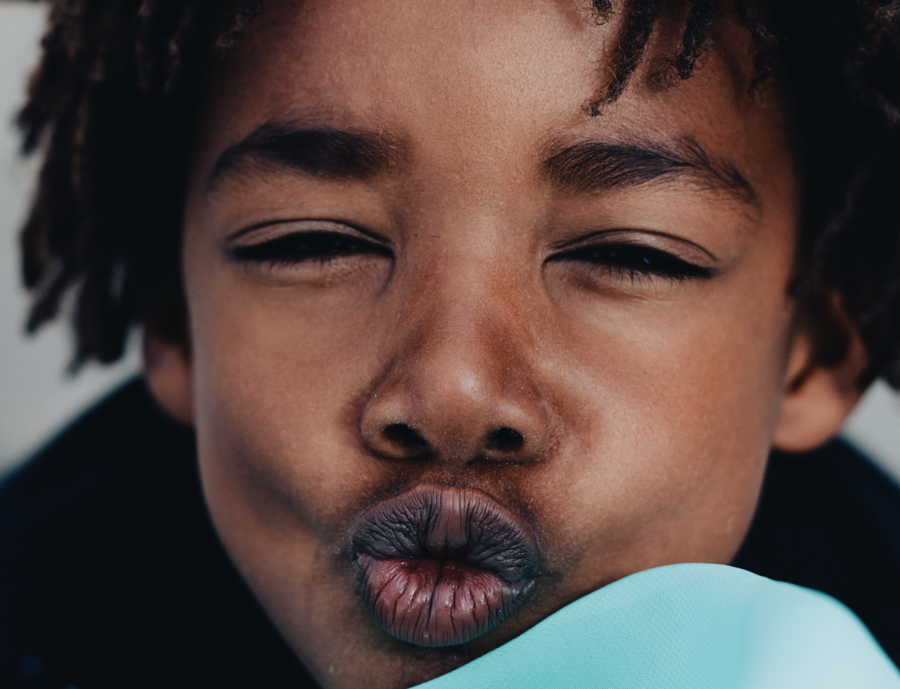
pixel 69 517
pixel 827 520
pixel 82 485
pixel 101 445
pixel 112 572
pixel 797 637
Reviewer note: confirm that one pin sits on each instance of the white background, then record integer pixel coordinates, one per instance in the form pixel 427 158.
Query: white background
pixel 36 397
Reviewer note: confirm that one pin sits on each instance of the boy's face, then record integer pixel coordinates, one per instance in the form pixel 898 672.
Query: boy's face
pixel 436 309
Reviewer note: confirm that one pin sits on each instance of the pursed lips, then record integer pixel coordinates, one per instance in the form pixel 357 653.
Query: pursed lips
pixel 440 566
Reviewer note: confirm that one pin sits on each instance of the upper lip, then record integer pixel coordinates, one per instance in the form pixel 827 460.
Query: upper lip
pixel 449 523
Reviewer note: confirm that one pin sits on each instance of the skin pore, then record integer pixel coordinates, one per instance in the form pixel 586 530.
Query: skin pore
pixel 400 216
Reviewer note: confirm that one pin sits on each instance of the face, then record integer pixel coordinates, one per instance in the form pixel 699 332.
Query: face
pixel 437 311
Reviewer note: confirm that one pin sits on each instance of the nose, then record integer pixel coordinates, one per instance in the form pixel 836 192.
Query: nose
pixel 461 385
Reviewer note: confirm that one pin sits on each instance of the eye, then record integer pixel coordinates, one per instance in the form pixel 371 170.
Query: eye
pixel 635 261
pixel 314 246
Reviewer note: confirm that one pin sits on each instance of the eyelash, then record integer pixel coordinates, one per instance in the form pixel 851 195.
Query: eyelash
pixel 315 246
pixel 636 261
pixel 625 260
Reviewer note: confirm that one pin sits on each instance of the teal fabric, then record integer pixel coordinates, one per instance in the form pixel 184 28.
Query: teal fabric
pixel 688 626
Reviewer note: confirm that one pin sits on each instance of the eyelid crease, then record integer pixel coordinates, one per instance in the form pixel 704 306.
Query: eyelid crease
pixel 318 247
pixel 316 224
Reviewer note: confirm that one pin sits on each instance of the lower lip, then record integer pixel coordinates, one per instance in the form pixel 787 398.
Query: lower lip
pixel 436 603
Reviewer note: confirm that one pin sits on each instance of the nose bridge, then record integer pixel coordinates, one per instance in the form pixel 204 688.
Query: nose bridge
pixel 465 353
pixel 465 317
pixel 461 371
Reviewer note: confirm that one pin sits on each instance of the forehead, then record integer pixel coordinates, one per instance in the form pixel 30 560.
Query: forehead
pixel 485 87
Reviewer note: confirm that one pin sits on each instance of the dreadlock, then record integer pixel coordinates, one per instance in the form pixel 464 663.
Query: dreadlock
pixel 111 101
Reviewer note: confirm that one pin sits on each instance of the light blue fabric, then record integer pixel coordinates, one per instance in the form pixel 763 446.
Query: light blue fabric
pixel 688 626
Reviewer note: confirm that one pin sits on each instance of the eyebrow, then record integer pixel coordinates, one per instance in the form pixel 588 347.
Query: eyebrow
pixel 321 151
pixel 594 166
pixel 583 167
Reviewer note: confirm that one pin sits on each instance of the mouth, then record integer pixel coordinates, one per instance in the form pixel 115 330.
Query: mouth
pixel 442 566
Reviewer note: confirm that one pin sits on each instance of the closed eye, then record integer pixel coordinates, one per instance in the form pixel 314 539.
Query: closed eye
pixel 314 246
pixel 635 261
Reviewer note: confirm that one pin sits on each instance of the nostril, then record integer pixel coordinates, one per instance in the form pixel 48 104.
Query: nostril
pixel 405 437
pixel 505 439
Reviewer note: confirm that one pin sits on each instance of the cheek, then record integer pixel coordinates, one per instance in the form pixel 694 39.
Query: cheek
pixel 676 407
pixel 277 463
pixel 271 380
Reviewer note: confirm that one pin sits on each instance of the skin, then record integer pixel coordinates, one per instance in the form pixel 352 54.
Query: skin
pixel 648 405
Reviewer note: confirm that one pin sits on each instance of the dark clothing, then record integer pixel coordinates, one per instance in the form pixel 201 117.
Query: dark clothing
pixel 111 574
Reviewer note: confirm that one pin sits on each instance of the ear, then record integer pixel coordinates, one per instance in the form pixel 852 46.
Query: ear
pixel 820 389
pixel 167 370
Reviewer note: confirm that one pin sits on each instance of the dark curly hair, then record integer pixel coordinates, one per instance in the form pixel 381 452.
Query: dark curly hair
pixel 111 101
